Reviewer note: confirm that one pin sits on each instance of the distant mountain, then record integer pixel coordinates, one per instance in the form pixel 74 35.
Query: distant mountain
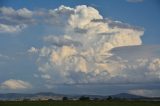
pixel 40 95
pixel 47 94
pixel 54 96
pixel 14 95
pixel 127 96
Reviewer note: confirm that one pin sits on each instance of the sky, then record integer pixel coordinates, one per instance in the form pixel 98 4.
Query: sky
pixel 80 46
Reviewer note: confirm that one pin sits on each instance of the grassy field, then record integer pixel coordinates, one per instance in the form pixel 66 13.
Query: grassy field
pixel 81 103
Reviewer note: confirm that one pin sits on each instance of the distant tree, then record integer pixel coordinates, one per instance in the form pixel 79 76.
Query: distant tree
pixel 64 98
pixel 109 98
pixel 84 98
pixel 39 100
pixel 50 99
pixel 96 99
pixel 25 100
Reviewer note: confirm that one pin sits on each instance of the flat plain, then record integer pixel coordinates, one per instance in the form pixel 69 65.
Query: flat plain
pixel 80 103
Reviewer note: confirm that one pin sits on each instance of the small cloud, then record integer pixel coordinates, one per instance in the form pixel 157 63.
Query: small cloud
pixel 32 50
pixel 46 76
pixel 35 75
pixel 4 56
pixel 134 1
pixel 13 84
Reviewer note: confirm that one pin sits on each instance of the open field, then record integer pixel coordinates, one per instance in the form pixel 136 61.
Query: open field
pixel 80 103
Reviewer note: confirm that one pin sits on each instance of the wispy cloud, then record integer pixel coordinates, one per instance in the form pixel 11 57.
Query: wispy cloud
pixel 135 1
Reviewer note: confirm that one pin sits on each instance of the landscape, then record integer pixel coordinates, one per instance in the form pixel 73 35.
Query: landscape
pixel 49 98
pixel 79 53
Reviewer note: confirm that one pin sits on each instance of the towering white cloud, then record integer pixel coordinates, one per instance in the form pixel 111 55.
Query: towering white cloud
pixel 81 54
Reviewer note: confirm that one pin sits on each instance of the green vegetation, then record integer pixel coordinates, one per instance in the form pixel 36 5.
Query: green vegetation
pixel 79 103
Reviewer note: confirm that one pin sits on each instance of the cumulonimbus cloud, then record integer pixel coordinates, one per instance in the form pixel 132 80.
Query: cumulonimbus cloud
pixel 83 52
pixel 89 47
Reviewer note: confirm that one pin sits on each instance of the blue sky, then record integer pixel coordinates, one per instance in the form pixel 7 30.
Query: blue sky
pixel 66 46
